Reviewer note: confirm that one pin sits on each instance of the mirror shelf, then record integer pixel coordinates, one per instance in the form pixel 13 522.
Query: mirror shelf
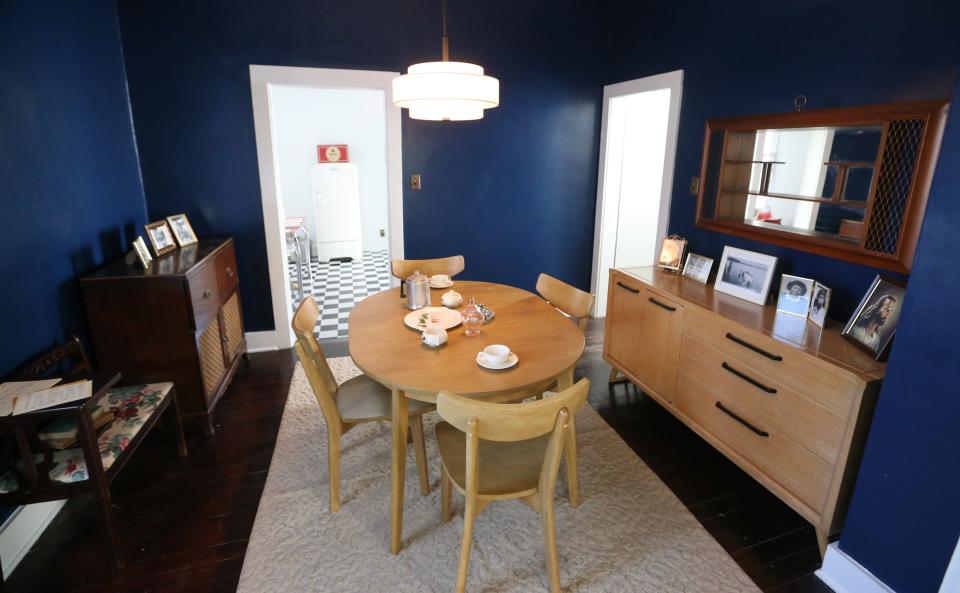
pixel 849 183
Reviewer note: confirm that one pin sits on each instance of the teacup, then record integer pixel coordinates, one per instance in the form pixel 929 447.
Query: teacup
pixel 440 279
pixel 434 336
pixel 451 299
pixel 496 353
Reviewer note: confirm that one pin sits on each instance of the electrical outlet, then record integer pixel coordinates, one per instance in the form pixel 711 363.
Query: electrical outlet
pixel 694 186
pixel 383 233
pixel 415 182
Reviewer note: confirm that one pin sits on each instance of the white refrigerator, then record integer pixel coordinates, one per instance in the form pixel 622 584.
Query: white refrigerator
pixel 336 202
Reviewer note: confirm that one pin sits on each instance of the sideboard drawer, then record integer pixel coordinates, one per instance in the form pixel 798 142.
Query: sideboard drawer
pixel 226 263
pixel 204 295
pixel 821 381
pixel 769 401
pixel 737 426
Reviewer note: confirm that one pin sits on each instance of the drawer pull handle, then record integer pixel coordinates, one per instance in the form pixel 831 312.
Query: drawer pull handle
pixel 207 293
pixel 661 305
pixel 747 344
pixel 625 287
pixel 762 433
pixel 229 273
pixel 748 378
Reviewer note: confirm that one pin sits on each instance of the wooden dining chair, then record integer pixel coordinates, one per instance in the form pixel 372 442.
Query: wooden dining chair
pixel 571 301
pixel 355 401
pixel 510 451
pixel 451 266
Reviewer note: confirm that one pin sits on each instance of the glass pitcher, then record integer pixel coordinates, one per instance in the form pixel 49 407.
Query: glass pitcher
pixel 472 318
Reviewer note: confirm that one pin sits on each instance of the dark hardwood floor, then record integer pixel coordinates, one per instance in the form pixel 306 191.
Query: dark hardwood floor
pixel 185 522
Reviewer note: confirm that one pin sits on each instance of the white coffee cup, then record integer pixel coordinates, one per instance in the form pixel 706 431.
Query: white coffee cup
pixel 440 279
pixel 434 336
pixel 496 353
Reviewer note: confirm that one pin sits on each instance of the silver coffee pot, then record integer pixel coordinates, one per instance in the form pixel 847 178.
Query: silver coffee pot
pixel 418 291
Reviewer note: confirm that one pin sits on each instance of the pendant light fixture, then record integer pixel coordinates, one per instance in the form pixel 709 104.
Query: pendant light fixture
pixel 446 91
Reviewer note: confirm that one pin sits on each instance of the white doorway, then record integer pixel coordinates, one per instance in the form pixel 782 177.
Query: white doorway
pixel 295 110
pixel 638 143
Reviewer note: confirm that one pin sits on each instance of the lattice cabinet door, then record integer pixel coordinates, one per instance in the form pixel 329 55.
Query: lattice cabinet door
pixel 212 365
pixel 232 328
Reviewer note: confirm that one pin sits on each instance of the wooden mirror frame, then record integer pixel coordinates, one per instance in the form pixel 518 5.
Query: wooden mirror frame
pixel 933 114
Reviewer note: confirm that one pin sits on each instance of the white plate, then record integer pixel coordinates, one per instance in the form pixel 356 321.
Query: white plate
pixel 511 360
pixel 435 285
pixel 436 316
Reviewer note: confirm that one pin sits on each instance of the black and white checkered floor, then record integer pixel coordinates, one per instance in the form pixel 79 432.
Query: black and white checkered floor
pixel 339 286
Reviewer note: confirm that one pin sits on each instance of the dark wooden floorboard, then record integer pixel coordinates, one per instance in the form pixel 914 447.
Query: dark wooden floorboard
pixel 185 523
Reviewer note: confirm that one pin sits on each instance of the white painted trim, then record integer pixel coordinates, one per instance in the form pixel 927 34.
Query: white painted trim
pixel 261 78
pixel 843 574
pixel 603 246
pixel 23 529
pixel 261 341
pixel 951 579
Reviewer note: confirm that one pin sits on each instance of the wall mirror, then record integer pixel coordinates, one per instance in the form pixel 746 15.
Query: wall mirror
pixel 849 183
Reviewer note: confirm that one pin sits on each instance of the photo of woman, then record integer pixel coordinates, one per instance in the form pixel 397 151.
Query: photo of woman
pixel 875 321
pixel 821 302
pixel 794 295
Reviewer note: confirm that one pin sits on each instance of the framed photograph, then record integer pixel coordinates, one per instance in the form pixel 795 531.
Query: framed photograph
pixel 143 254
pixel 795 295
pixel 745 274
pixel 698 268
pixel 875 319
pixel 819 304
pixel 182 230
pixel 671 253
pixel 161 237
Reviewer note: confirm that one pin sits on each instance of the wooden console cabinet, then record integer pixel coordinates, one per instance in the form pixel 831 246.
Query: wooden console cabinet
pixel 179 320
pixel 792 410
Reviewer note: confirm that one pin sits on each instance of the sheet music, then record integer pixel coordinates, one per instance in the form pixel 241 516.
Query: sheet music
pixel 55 396
pixel 11 390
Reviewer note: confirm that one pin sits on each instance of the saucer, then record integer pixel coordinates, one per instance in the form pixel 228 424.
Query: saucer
pixel 435 285
pixel 511 360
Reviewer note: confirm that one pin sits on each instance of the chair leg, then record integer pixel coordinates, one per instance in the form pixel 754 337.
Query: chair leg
pixel 333 454
pixel 445 491
pixel 550 542
pixel 420 452
pixel 178 424
pixel 469 515
pixel 108 525
pixel 573 465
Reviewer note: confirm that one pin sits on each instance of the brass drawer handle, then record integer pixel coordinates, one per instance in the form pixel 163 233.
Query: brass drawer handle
pixel 661 305
pixel 750 346
pixel 207 293
pixel 625 287
pixel 762 433
pixel 747 378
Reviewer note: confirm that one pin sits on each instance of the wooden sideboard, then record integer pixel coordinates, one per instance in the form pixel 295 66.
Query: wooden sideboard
pixel 792 408
pixel 179 320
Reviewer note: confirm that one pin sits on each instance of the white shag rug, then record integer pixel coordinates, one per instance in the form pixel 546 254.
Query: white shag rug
pixel 630 534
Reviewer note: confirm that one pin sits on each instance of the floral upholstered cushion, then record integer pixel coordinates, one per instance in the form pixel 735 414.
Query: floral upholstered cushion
pixel 131 406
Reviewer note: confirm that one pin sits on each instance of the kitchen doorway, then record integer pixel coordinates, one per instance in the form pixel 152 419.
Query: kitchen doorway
pixel 638 142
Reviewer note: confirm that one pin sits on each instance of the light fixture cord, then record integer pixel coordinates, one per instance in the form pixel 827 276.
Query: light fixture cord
pixel 445 43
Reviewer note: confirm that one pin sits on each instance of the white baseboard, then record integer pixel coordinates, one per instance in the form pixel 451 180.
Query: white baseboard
pixel 843 574
pixel 261 341
pixel 22 530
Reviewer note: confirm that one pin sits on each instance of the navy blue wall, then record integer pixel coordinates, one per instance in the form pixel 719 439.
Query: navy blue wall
pixel 70 191
pixel 527 170
pixel 755 57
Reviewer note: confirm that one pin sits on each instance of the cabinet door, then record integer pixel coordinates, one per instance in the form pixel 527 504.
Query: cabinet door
pixel 211 358
pixel 232 328
pixel 658 339
pixel 624 320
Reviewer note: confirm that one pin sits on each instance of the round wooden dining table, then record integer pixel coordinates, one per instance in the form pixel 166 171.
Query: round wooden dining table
pixel 546 342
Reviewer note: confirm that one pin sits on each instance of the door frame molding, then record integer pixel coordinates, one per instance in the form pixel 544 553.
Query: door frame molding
pixel 606 214
pixel 261 79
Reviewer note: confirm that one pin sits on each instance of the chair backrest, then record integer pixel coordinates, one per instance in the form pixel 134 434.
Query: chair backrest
pixel 570 300
pixel 313 360
pixel 514 422
pixel 68 358
pixel 451 266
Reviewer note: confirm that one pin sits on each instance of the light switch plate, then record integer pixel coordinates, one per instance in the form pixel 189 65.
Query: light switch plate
pixel 415 182
pixel 694 186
